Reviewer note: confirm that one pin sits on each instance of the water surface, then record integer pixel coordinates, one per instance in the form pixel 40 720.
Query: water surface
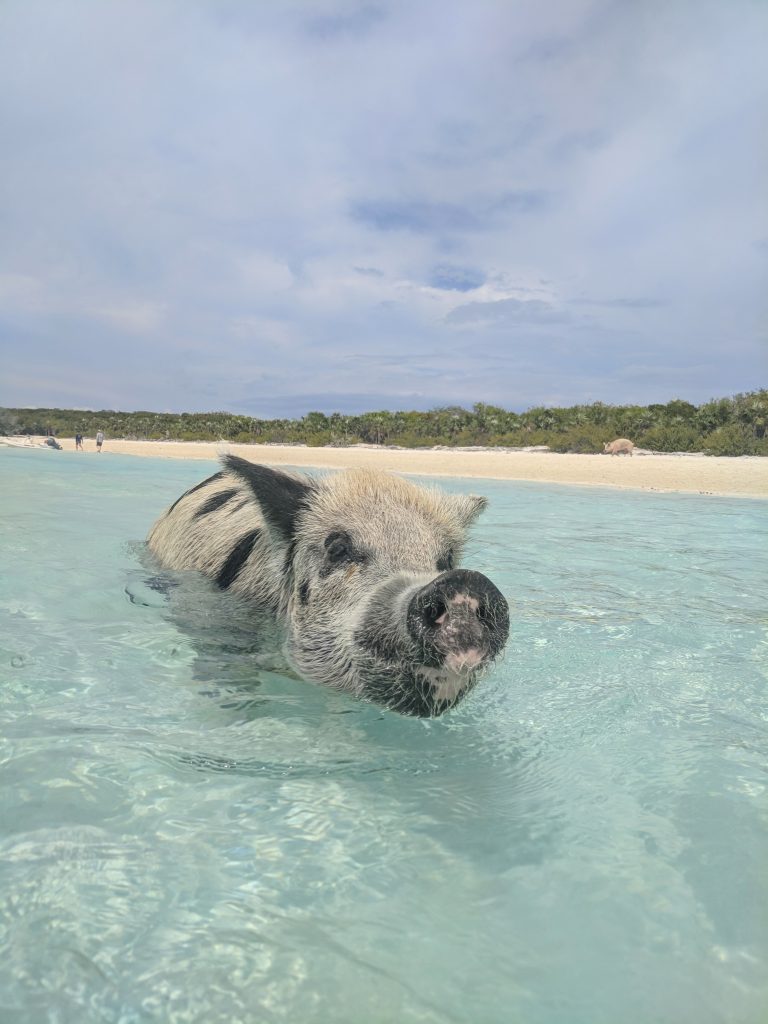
pixel 187 837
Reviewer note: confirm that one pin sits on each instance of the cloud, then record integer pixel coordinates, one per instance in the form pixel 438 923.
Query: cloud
pixel 442 202
pixel 415 215
pixel 353 21
pixel 20 292
pixel 425 217
pixel 263 273
pixel 507 313
pixel 137 317
pixel 453 278
pixel 621 303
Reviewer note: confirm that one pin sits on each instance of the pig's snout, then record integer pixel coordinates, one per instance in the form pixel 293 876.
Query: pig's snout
pixel 459 620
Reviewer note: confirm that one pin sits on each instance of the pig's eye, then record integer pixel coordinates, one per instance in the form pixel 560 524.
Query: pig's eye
pixel 338 548
pixel 445 562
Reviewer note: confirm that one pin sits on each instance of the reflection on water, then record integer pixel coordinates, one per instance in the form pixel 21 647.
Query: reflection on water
pixel 189 834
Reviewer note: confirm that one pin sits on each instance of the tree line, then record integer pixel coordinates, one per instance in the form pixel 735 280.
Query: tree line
pixel 722 426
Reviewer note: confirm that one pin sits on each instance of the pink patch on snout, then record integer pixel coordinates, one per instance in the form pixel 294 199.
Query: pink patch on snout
pixel 460 609
pixel 464 661
pixel 473 603
pixel 460 613
pixel 456 608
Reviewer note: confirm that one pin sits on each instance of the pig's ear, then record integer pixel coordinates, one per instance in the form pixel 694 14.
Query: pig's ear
pixel 469 507
pixel 281 497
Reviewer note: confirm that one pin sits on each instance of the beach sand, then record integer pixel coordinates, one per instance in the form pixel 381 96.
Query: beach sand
pixel 743 477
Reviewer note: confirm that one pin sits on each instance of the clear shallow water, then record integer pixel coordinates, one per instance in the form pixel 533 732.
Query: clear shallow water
pixel 187 839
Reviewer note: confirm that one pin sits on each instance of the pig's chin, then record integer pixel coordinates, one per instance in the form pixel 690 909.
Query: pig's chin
pixel 447 686
pixel 424 691
pixel 410 679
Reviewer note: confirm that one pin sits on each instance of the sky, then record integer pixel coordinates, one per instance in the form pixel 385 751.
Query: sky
pixel 289 205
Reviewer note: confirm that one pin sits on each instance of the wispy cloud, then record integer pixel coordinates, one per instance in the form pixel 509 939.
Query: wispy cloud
pixel 640 302
pixel 416 215
pixel 136 317
pixel 507 313
pixel 453 278
pixel 353 21
pixel 425 217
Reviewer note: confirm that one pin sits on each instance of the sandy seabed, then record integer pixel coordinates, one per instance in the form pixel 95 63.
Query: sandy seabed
pixel 743 477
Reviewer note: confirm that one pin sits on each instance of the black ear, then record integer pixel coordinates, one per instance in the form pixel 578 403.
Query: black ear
pixel 280 496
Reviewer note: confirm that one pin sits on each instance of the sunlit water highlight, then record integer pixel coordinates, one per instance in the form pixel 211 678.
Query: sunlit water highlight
pixel 186 838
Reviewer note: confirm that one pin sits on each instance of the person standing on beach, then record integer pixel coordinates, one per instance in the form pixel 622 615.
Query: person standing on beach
pixel 78 442
pixel 99 441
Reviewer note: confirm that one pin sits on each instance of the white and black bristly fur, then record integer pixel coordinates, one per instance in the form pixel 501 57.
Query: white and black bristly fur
pixel 360 568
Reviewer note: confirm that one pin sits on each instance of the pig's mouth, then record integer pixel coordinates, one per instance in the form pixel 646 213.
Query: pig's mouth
pixel 422 690
pixel 456 625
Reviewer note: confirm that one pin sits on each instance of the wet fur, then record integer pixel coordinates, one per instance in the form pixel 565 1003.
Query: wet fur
pixel 263 535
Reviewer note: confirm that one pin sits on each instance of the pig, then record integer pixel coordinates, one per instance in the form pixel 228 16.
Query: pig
pixel 621 446
pixel 360 571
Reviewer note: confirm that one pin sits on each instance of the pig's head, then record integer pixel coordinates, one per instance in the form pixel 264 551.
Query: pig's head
pixel 372 597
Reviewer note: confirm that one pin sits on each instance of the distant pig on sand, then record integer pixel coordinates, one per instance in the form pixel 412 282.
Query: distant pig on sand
pixel 361 570
pixel 621 446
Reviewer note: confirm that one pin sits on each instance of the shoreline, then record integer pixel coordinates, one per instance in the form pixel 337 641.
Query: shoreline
pixel 743 477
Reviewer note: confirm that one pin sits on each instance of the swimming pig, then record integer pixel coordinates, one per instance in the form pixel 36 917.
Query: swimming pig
pixel 360 570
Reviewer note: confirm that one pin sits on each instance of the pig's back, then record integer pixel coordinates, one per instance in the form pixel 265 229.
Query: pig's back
pixel 216 528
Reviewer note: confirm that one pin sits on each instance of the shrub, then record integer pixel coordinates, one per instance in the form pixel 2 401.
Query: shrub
pixel 318 438
pixel 732 439
pixel 675 437
pixel 408 439
pixel 9 424
pixel 582 441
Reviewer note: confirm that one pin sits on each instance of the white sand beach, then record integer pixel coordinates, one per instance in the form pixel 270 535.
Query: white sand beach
pixel 744 477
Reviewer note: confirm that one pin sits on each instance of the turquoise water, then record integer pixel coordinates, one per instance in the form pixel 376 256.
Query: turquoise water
pixel 186 838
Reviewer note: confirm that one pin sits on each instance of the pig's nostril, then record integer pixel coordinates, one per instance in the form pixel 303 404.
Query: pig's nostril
pixel 434 611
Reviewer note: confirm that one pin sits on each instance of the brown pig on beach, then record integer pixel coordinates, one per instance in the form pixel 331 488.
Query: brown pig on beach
pixel 621 446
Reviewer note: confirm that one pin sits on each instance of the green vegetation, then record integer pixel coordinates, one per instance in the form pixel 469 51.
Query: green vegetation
pixel 724 426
